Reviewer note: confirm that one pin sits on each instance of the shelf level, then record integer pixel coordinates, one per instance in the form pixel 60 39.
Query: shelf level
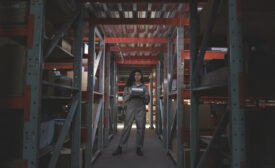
pixel 59 85
pixel 56 98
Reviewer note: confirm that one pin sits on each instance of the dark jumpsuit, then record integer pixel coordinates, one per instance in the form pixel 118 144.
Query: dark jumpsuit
pixel 135 110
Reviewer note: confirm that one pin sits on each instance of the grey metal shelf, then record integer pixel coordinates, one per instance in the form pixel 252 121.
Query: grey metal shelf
pixel 48 149
pixel 98 93
pixel 209 87
pixel 58 85
pixel 56 98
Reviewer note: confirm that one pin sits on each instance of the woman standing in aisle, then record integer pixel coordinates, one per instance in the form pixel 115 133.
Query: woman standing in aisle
pixel 135 96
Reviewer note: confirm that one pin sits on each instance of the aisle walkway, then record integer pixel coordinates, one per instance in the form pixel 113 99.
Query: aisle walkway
pixel 154 154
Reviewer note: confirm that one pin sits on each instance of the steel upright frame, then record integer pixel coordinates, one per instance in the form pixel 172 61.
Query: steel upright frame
pixel 33 88
pixel 31 150
pixel 96 129
pixel 236 73
pixel 173 60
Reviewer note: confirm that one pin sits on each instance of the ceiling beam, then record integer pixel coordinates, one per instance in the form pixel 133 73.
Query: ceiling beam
pixel 139 21
pixel 140 1
pixel 135 49
pixel 137 62
pixel 113 40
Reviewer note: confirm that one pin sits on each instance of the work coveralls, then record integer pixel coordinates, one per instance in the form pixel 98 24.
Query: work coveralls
pixel 135 110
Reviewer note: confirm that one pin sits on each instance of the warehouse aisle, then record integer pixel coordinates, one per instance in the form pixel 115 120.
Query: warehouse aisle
pixel 154 154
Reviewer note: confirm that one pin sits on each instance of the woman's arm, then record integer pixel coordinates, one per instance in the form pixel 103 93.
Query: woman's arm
pixel 126 95
pixel 146 96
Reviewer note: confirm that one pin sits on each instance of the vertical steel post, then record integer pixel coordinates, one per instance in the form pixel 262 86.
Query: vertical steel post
pixel 112 84
pixel 76 127
pixel 151 102
pixel 180 111
pixel 168 90
pixel 115 94
pixel 157 95
pixel 194 117
pixel 108 96
pixel 236 70
pixel 161 81
pixel 90 103
pixel 33 88
pixel 102 90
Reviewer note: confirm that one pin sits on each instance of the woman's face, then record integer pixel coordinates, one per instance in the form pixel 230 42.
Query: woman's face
pixel 137 77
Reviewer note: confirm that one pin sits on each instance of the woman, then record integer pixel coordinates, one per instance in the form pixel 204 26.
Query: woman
pixel 135 96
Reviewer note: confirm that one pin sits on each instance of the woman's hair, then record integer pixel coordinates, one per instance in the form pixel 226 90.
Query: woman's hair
pixel 131 78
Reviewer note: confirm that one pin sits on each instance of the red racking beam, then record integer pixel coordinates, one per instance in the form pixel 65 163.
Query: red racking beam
pixel 140 1
pixel 209 55
pixel 133 49
pixel 112 40
pixel 139 21
pixel 137 62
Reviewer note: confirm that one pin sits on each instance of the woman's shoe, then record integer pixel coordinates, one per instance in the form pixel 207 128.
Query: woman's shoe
pixel 118 151
pixel 139 152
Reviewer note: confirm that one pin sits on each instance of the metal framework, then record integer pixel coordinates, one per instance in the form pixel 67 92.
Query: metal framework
pixel 103 64
pixel 104 124
pixel 166 124
pixel 151 102
pixel 33 88
pixel 97 128
pixel 236 110
pixel 33 96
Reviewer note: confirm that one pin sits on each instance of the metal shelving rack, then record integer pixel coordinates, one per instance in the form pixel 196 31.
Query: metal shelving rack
pixel 33 96
pixel 236 110
pixel 165 72
pixel 31 101
pixel 104 126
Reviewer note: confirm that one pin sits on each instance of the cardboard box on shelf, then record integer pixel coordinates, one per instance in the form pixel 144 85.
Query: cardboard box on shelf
pixel 204 115
pixel 84 83
pixel 84 113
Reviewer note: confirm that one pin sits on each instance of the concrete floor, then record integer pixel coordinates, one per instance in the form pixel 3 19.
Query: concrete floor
pixel 154 154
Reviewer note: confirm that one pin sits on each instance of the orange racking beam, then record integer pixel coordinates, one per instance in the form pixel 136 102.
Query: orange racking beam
pixel 209 55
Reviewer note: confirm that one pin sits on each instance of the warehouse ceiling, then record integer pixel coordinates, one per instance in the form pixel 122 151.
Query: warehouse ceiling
pixel 135 11
pixel 114 15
